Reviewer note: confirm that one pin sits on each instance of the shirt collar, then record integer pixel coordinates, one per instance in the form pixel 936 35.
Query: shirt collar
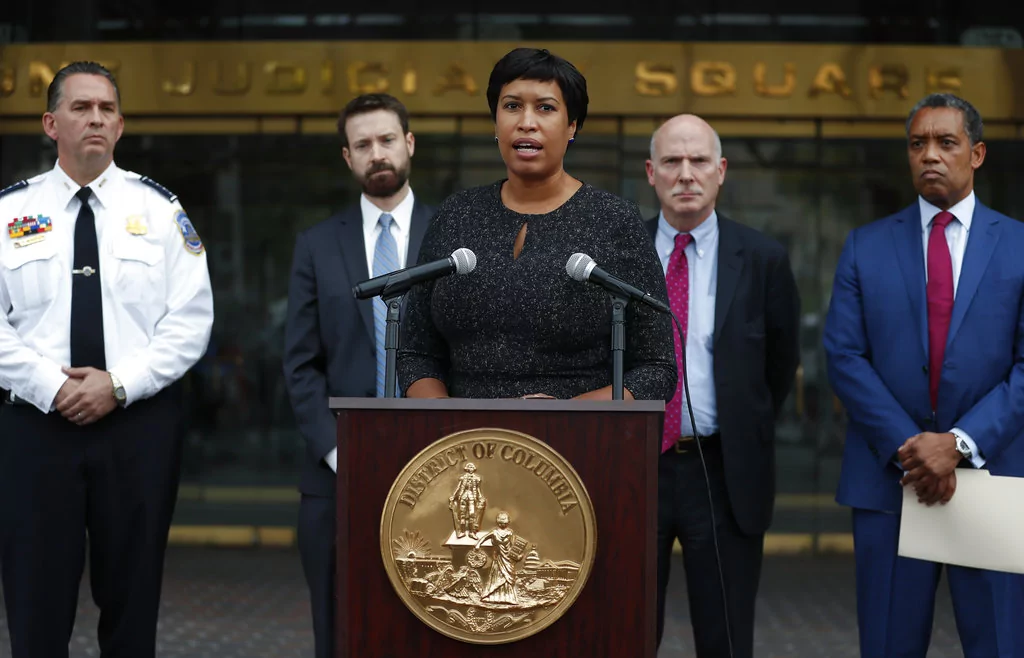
pixel 963 211
pixel 701 234
pixel 401 215
pixel 103 187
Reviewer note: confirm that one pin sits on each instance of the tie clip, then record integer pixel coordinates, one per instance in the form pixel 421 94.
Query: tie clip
pixel 87 271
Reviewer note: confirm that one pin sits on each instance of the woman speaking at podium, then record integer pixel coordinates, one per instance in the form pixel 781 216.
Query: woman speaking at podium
pixel 518 325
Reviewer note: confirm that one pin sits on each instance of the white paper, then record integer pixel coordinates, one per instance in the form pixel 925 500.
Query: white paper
pixel 982 526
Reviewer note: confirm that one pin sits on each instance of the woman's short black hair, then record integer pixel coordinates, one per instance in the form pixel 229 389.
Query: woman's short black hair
pixel 540 64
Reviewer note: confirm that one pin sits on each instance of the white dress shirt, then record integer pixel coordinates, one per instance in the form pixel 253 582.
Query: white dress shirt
pixel 157 299
pixel 702 261
pixel 957 233
pixel 400 227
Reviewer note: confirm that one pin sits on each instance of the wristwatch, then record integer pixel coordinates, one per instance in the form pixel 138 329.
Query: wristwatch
pixel 119 395
pixel 962 447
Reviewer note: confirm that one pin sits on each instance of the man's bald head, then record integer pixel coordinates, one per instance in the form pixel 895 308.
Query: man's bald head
pixel 686 170
pixel 691 121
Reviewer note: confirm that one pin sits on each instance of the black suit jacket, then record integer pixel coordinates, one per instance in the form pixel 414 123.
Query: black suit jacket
pixel 329 337
pixel 756 352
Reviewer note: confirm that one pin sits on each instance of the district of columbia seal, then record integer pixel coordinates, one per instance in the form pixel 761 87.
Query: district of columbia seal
pixel 488 536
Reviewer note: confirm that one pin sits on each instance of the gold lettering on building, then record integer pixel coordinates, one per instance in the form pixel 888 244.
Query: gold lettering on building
pixel 40 75
pixel 367 78
pixel 186 86
pixel 655 79
pixel 239 85
pixel 285 78
pixel 7 81
pixel 785 90
pixel 311 80
pixel 830 79
pixel 409 80
pixel 327 77
pixel 943 80
pixel 455 78
pixel 713 78
pixel 888 77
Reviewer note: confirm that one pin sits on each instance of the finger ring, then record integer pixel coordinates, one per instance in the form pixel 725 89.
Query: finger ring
pixel 78 415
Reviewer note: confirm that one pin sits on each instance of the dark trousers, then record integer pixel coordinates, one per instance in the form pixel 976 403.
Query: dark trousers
pixel 317 550
pixel 896 598
pixel 684 513
pixel 113 484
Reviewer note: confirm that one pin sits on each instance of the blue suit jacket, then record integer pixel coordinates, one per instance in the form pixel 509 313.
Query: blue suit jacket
pixel 329 336
pixel 876 339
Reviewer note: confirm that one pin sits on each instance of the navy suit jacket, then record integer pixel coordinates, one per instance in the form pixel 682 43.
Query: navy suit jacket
pixel 329 337
pixel 876 340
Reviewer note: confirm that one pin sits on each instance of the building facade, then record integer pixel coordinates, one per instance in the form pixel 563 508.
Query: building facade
pixel 241 125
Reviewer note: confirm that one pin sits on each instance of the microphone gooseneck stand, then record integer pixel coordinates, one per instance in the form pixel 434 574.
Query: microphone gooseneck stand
pixel 618 342
pixel 393 298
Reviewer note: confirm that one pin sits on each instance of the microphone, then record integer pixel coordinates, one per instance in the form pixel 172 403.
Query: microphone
pixel 582 267
pixel 462 261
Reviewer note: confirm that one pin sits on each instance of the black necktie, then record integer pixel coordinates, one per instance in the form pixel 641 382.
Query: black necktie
pixel 86 294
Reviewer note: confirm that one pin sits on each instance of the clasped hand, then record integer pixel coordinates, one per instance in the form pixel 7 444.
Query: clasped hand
pixel 87 395
pixel 930 461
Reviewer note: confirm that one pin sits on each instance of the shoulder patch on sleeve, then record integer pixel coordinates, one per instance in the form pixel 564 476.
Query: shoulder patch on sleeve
pixel 14 188
pixel 164 192
pixel 193 244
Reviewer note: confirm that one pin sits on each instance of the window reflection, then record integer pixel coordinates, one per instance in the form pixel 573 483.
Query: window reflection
pixel 249 195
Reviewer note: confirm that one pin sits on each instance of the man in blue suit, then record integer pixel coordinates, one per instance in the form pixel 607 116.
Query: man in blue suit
pixel 334 343
pixel 925 344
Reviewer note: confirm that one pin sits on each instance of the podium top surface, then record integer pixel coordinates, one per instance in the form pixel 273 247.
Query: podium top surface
pixel 470 404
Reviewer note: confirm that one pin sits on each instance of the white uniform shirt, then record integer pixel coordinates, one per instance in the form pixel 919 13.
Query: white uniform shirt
pixel 157 299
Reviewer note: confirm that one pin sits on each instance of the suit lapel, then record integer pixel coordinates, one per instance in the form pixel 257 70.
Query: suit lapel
pixel 980 243
pixel 353 253
pixel 907 234
pixel 420 220
pixel 652 227
pixel 730 265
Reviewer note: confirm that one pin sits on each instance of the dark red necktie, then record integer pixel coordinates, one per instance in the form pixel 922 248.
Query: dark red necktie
pixel 940 300
pixel 677 279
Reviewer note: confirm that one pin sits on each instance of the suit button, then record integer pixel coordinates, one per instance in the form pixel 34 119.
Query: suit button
pixel 924 369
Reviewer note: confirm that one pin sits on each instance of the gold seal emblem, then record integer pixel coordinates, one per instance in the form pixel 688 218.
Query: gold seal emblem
pixel 488 536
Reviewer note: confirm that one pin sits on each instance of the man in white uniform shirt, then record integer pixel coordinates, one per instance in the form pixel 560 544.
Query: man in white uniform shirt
pixel 334 344
pixel 105 303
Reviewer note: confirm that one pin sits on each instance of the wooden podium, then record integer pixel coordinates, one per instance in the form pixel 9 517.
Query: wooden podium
pixel 613 446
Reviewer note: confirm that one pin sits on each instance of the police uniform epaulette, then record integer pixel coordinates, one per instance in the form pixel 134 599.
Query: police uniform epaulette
pixel 13 188
pixel 164 192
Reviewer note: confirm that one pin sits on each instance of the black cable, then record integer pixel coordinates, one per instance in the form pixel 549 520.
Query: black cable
pixel 707 481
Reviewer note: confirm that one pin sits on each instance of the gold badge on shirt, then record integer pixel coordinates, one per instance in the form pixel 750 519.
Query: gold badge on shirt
pixel 135 224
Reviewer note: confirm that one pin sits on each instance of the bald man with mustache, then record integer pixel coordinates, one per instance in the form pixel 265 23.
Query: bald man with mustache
pixel 734 292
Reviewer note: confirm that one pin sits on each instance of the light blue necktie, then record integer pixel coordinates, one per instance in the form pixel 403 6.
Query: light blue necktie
pixel 385 259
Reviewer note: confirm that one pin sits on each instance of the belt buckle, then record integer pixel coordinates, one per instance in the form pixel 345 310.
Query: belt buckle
pixel 679 444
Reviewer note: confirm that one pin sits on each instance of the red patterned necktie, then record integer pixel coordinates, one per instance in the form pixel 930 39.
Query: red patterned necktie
pixel 678 281
pixel 940 299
